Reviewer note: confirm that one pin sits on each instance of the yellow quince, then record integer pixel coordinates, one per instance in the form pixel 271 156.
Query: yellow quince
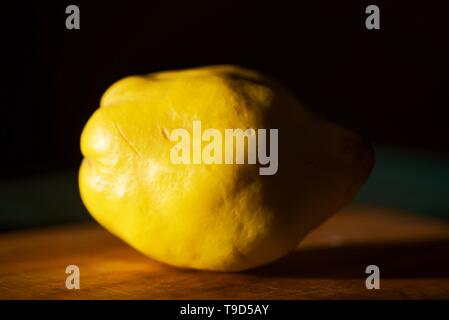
pixel 213 216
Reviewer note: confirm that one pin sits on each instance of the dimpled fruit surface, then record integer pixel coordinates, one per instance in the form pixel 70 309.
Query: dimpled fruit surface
pixel 224 217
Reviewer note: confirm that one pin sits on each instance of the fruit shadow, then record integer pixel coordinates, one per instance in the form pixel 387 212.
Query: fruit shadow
pixel 424 259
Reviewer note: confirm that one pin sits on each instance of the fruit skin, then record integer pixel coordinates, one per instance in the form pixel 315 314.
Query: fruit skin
pixel 213 217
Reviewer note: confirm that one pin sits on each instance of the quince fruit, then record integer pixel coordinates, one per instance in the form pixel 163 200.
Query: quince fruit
pixel 223 217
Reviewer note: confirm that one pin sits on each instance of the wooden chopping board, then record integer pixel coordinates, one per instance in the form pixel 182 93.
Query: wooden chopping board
pixel 411 252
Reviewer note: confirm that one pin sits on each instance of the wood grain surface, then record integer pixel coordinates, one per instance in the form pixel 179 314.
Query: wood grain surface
pixel 412 253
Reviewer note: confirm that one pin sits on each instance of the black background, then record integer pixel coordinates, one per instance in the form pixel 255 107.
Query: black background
pixel 390 84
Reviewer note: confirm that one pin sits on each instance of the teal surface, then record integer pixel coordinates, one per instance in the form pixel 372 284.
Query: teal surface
pixel 411 180
pixel 40 200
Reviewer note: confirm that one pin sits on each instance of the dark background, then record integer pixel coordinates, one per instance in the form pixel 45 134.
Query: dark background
pixel 389 84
